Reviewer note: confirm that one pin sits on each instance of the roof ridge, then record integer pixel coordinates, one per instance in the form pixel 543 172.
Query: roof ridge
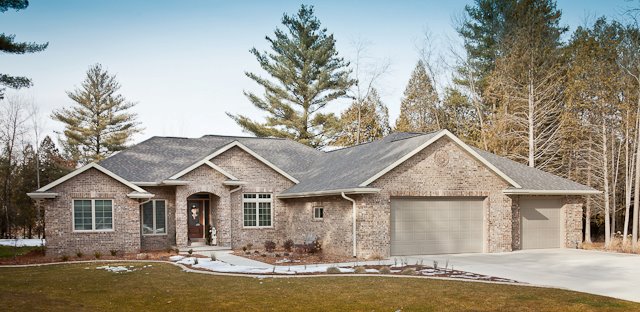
pixel 242 137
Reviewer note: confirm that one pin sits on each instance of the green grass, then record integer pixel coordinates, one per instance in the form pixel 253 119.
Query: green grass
pixel 163 287
pixel 9 251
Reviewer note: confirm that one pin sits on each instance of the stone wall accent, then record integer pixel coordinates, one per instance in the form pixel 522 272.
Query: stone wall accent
pixel 516 236
pixel 161 242
pixel 572 213
pixel 91 184
pixel 423 175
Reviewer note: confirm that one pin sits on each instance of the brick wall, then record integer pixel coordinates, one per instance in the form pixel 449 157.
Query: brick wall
pixel 454 173
pixel 572 227
pixel 91 184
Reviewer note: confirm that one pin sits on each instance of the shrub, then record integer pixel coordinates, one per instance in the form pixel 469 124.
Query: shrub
pixel 64 258
pixel 269 246
pixel 377 256
pixel 190 252
pixel 256 252
pixel 286 254
pixel 168 250
pixel 385 270
pixel 359 270
pixel 244 248
pixel 288 245
pixel 79 254
pixel 264 255
pixel 333 270
pixel 213 257
pixel 314 247
pixel 249 246
pixel 408 271
pixel 277 255
pixel 195 261
pixel 113 252
pixel 97 254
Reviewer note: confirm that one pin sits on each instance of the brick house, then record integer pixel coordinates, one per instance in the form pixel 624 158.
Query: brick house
pixel 409 193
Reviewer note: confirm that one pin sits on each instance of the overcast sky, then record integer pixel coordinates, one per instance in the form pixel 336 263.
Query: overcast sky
pixel 183 62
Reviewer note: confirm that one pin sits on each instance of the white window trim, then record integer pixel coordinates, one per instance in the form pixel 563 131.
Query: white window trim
pixel 93 216
pixel 314 213
pixel 155 227
pixel 257 201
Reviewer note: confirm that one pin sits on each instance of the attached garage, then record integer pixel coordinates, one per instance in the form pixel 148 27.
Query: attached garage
pixel 540 222
pixel 436 225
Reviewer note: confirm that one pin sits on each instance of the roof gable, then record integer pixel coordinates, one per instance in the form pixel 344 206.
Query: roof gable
pixel 436 137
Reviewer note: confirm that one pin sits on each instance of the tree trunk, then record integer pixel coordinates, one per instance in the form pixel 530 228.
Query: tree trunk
pixel 607 216
pixel 532 148
pixel 636 193
pixel 587 213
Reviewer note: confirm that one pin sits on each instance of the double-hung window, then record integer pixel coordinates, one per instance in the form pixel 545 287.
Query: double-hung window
pixel 257 210
pixel 92 215
pixel 154 217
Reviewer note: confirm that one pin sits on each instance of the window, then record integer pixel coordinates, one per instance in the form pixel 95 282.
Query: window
pixel 318 213
pixel 257 210
pixel 154 217
pixel 92 215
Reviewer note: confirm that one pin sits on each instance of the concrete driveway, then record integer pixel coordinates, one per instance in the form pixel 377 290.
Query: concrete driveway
pixel 602 273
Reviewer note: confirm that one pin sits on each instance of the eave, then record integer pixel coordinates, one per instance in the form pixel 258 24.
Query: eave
pixel 42 195
pixel 353 191
pixel 550 192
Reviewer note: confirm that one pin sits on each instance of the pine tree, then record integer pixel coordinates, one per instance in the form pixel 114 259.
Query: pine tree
pixel 8 45
pixel 460 117
pixel 419 111
pixel 372 124
pixel 100 122
pixel 307 75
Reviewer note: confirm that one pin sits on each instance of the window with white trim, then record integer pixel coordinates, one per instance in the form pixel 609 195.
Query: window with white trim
pixel 257 210
pixel 154 217
pixel 92 215
pixel 318 213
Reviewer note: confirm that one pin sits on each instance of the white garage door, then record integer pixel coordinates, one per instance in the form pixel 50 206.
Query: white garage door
pixel 540 226
pixel 436 226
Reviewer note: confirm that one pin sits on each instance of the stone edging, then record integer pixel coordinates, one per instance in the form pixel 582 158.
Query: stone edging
pixel 249 275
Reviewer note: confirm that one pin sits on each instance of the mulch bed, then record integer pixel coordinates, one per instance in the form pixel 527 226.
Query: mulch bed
pixel 282 257
pixel 38 256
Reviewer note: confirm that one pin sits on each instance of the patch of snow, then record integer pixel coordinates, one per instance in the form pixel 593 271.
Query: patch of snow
pixel 114 269
pixel 372 271
pixel 176 258
pixel 22 242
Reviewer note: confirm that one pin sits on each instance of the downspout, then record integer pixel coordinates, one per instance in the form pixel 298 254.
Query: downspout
pixel 353 217
pixel 231 215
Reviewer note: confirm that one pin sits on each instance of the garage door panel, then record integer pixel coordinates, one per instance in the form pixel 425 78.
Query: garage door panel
pixel 433 226
pixel 540 222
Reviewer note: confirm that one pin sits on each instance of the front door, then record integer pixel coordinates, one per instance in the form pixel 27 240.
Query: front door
pixel 196 218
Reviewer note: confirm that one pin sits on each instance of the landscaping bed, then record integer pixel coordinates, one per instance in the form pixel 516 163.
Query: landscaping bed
pixel 213 265
pixel 282 257
pixel 36 255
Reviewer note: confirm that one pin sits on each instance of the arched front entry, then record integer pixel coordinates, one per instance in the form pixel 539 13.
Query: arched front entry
pixel 201 219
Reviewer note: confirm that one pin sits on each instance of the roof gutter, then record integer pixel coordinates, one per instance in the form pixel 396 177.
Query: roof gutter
pixel 353 217
pixel 42 195
pixel 358 190
pixel 550 192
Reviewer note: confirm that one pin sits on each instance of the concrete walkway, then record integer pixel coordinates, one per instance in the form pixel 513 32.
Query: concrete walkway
pixel 602 273
pixel 228 257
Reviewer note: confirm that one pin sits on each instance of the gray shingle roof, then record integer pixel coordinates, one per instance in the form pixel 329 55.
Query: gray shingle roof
pixel 530 178
pixel 159 158
pixel 349 167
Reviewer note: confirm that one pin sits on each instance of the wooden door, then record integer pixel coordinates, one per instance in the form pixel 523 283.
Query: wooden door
pixel 195 215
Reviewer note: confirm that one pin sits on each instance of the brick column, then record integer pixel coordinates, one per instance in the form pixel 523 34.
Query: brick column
pixel 181 217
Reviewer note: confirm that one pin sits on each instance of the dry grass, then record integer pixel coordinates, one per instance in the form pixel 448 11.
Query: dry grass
pixel 163 287
pixel 616 246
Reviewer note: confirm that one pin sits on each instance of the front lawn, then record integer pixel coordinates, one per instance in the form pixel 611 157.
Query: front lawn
pixel 72 287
